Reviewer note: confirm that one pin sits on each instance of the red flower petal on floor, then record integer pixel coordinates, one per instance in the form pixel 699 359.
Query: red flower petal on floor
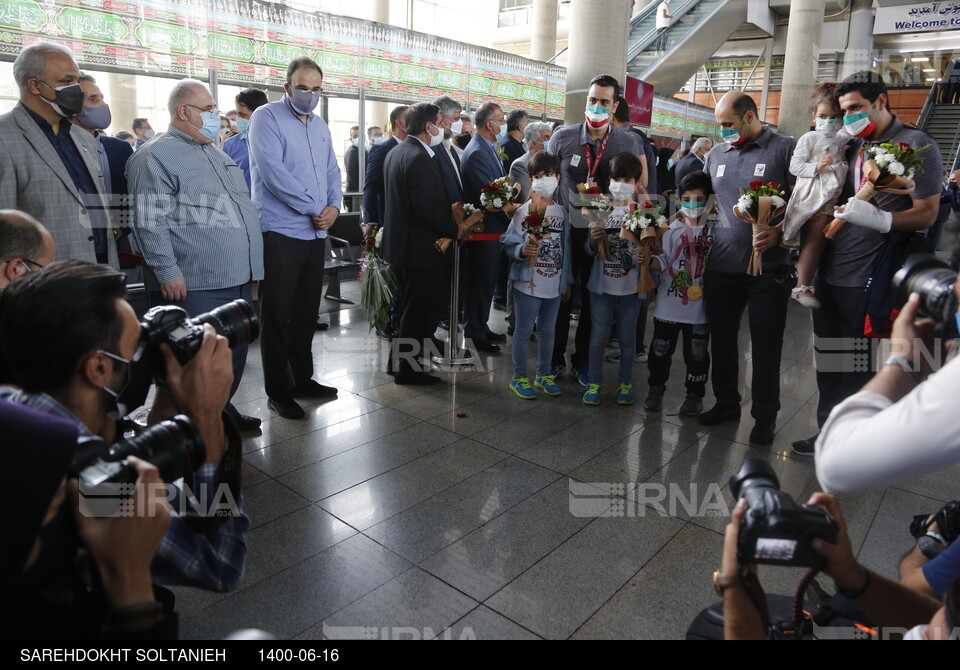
pixel 461 415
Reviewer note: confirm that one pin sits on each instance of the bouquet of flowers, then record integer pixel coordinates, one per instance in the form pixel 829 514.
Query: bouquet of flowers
pixel 537 227
pixel 644 225
pixel 498 195
pixel 887 168
pixel 378 284
pixel 760 205
pixel 595 206
pixel 591 197
pixel 468 218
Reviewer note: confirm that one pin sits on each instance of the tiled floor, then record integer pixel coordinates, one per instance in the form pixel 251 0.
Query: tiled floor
pixel 462 511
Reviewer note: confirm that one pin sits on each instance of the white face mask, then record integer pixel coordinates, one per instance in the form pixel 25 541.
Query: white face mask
pixel 828 127
pixel 436 140
pixel 149 133
pixel 456 127
pixel 620 190
pixel 544 186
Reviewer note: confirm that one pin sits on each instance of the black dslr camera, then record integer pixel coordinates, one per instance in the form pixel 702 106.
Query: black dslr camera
pixel 775 530
pixel 170 324
pixel 174 447
pixel 935 281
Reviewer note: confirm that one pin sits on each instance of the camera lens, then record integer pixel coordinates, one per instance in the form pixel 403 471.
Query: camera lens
pixel 933 279
pixel 754 473
pixel 174 447
pixel 236 321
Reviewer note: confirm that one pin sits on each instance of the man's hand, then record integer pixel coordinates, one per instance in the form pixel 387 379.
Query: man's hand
pixel 326 219
pixel 531 248
pixel 767 239
pixel 862 213
pixel 124 546
pixel 824 163
pixel 741 619
pixel 201 388
pixel 841 563
pixel 174 290
pixel 907 331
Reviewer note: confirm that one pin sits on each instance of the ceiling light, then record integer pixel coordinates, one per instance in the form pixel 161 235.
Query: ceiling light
pixel 919 59
pixel 928 69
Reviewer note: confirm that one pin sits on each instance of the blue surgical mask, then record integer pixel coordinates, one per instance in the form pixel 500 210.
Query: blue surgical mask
pixel 503 133
pixel 211 124
pixel 242 124
pixel 692 210
pixel 829 127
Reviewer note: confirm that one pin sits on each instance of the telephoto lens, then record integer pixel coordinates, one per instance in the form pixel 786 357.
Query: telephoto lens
pixel 936 283
pixel 175 447
pixel 236 321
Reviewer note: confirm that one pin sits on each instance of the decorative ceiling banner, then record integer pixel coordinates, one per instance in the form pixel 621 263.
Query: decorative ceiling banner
pixel 250 43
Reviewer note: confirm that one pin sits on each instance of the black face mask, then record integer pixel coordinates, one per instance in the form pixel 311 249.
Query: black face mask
pixel 952 186
pixel 68 101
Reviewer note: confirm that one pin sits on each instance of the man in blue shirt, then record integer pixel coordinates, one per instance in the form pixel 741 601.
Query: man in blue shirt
pixel 297 188
pixel 247 102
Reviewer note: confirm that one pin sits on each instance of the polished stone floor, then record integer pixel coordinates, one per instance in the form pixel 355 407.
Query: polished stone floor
pixel 461 511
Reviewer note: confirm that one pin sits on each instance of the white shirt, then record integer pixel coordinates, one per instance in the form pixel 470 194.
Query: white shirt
pixel 662 21
pixel 620 272
pixel 549 264
pixel 683 264
pixel 869 442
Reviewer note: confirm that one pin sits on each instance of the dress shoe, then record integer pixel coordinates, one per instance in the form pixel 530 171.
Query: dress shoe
pixel 805 448
pixel 762 433
pixel 487 346
pixel 496 337
pixel 323 325
pixel 718 415
pixel 386 334
pixel 286 407
pixel 416 379
pixel 246 423
pixel 312 389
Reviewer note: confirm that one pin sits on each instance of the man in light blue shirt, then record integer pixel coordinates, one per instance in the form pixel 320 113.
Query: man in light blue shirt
pixel 296 186
pixel 247 102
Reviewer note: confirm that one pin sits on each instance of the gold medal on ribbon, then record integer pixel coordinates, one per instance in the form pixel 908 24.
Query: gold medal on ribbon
pixel 694 292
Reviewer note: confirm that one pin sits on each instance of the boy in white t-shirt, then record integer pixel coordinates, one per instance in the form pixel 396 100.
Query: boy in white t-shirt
pixel 679 306
pixel 537 302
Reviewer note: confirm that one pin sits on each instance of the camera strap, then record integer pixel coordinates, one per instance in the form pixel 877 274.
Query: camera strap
pixel 229 474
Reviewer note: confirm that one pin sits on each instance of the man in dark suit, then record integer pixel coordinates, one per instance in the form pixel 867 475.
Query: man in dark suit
pixel 512 142
pixel 113 154
pixel 480 165
pixel 448 161
pixel 693 161
pixel 414 218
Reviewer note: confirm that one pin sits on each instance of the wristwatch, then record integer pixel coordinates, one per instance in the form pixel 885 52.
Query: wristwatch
pixel 931 544
pixel 722 582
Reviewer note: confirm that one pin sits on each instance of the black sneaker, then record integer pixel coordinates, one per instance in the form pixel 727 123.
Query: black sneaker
pixel 762 433
pixel 718 415
pixel 805 448
pixel 692 405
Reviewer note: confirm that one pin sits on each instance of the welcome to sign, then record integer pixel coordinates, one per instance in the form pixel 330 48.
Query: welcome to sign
pixel 917 18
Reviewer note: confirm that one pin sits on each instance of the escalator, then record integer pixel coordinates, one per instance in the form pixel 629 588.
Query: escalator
pixel 699 29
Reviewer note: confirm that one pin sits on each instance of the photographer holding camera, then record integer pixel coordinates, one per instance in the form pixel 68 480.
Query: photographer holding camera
pixel 39 563
pixel 887 602
pixel 68 339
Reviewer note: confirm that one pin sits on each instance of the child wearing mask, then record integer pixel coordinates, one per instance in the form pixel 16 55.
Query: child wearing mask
pixel 538 289
pixel 820 169
pixel 679 307
pixel 613 284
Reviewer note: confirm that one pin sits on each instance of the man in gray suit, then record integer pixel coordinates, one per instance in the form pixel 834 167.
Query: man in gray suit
pixel 49 168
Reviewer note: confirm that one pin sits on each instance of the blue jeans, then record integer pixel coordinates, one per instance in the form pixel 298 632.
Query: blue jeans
pixel 604 308
pixel 201 302
pixel 529 311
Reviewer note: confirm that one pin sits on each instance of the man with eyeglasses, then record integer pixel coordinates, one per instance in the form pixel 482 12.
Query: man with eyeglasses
pixel 194 221
pixel 49 167
pixel 297 188
pixel 25 245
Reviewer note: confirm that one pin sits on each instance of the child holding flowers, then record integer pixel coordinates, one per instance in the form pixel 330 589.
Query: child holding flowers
pixel 538 242
pixel 613 283
pixel 679 308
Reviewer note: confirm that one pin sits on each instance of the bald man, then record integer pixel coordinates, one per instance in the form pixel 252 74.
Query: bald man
pixel 750 151
pixel 25 245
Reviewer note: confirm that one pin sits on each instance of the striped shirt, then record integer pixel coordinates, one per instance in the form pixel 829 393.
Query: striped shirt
pixel 212 560
pixel 293 170
pixel 194 218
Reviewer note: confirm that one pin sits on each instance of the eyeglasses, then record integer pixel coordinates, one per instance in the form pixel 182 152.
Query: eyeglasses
pixel 27 261
pixel 203 109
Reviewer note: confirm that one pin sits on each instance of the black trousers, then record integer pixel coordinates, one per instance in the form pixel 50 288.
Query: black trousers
pixel 838 375
pixel 766 296
pixel 582 264
pixel 479 280
pixel 290 295
pixel 696 354
pixel 420 306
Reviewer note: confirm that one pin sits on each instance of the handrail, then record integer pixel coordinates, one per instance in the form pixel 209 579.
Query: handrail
pixel 634 50
pixel 928 106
